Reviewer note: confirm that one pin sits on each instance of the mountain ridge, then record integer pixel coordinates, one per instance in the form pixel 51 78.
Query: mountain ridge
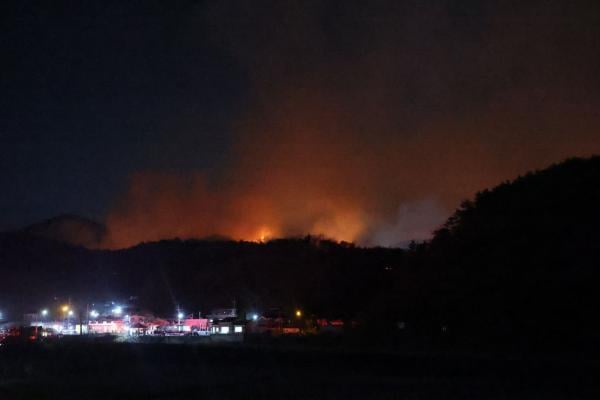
pixel 70 228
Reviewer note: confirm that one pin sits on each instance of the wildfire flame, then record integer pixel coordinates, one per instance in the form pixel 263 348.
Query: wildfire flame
pixel 264 234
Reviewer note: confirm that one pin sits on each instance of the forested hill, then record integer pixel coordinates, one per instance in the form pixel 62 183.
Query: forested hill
pixel 522 259
pixel 321 276
pixel 557 207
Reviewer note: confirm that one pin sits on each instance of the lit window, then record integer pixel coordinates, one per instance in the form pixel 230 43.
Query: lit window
pixel 224 330
pixel 238 329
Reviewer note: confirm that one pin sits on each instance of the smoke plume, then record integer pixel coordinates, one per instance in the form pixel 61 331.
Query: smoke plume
pixel 371 122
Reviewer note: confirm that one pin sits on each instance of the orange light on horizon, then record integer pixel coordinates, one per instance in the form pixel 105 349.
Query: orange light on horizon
pixel 264 234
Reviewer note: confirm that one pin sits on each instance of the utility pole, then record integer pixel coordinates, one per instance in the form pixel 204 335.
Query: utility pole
pixel 87 318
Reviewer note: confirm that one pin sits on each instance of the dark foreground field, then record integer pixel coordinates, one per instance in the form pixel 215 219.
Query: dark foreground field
pixel 161 371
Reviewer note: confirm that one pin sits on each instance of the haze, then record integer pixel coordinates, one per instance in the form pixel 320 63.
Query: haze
pixel 361 122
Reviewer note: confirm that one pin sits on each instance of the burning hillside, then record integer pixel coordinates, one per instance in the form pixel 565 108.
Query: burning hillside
pixel 356 132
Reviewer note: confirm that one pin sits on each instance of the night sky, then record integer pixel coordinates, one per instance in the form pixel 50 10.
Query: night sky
pixel 92 91
pixel 364 121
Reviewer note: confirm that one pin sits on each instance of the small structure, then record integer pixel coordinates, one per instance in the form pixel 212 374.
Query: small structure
pixel 107 327
pixel 197 327
pixel 330 326
pixel 138 329
pixel 229 326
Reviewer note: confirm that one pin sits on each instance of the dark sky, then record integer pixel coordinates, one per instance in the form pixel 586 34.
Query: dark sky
pixel 365 121
pixel 92 91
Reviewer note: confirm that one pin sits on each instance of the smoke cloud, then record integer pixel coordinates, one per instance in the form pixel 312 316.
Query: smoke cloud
pixel 371 122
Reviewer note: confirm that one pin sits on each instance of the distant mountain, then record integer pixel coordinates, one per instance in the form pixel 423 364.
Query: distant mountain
pixel 71 229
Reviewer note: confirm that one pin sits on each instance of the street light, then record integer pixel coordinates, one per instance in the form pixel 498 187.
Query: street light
pixel 44 312
pixel 117 310
pixel 94 314
pixel 298 313
pixel 70 313
pixel 179 318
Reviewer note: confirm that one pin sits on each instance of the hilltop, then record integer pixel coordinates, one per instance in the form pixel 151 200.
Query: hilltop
pixel 72 229
pixel 520 261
